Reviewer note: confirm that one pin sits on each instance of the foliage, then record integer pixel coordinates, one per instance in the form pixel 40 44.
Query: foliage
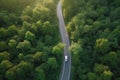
pixel 94 28
pixel 28 35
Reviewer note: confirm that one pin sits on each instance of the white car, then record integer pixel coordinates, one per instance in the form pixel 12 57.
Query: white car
pixel 66 58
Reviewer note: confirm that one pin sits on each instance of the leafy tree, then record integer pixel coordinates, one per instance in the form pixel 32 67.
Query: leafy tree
pixel 21 33
pixel 48 40
pixel 21 56
pixel 107 75
pixel 58 49
pixel 52 67
pixel 52 63
pixel 69 5
pixel 12 43
pixel 110 59
pixel 102 45
pixel 3 46
pixel 40 75
pixel 40 45
pixel 12 30
pixel 91 76
pixel 37 56
pixel 26 25
pixel 10 75
pixel 40 12
pixel 4 56
pixel 50 4
pixel 3 33
pixel 4 65
pixel 22 70
pixel 24 46
pixel 30 36
pixel 34 29
pixel 76 48
pixel 100 68
pixel 40 57
pixel 11 19
pixel 2 14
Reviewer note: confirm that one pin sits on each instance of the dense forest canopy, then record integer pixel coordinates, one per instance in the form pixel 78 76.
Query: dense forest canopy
pixel 30 47
pixel 15 5
pixel 94 30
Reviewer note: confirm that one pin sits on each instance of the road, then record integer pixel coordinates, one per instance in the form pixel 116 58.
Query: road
pixel 66 67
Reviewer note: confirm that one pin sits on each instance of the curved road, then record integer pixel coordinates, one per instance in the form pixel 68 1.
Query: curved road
pixel 66 67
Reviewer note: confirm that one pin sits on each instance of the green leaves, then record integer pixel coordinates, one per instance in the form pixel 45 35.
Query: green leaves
pixel 102 45
pixel 30 36
pixel 20 71
pixel 96 24
pixel 3 46
pixel 12 43
pixel 58 49
pixel 25 45
pixel 40 75
pixel 76 48
pixel 52 63
pixel 91 76
pixel 107 75
pixel 4 56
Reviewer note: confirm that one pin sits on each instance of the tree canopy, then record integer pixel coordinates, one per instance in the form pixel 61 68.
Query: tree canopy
pixel 28 34
pixel 93 27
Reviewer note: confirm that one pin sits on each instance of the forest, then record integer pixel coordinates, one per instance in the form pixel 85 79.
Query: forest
pixel 31 47
pixel 94 32
pixel 30 44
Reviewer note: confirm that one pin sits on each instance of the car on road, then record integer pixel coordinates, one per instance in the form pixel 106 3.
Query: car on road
pixel 66 58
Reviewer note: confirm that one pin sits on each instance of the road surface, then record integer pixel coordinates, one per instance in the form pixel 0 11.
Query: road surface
pixel 66 67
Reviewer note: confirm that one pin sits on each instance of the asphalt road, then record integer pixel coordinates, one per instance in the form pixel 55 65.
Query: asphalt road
pixel 66 67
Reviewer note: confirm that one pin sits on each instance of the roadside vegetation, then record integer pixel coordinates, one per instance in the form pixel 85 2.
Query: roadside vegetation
pixel 30 47
pixel 94 30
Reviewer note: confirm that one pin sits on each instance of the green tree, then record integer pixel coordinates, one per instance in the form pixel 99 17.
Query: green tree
pixel 3 33
pixel 40 45
pixel 10 74
pixel 30 36
pixel 40 75
pixel 91 76
pixel 76 48
pixel 111 59
pixel 39 57
pixel 57 51
pixel 26 25
pixel 24 46
pixel 24 70
pixel 40 12
pixel 12 43
pixel 107 75
pixel 12 30
pixel 4 65
pixel 4 56
pixel 102 45
pixel 3 46
pixel 52 67
pixel 52 63
pixel 100 68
